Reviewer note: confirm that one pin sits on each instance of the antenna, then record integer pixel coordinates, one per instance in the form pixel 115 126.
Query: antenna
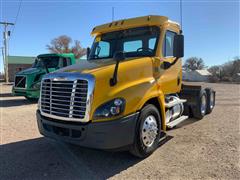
pixel 112 13
pixel 181 17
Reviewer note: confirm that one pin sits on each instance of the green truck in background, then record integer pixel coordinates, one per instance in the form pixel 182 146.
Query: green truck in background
pixel 27 82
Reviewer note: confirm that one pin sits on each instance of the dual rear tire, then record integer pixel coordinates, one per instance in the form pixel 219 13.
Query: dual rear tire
pixel 149 124
pixel 210 99
pixel 205 103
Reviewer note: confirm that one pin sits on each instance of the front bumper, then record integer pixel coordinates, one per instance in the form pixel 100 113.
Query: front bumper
pixel 26 92
pixel 101 135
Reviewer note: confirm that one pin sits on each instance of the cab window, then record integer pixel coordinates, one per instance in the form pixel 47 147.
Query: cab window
pixel 134 42
pixel 152 43
pixel 102 50
pixel 132 46
pixel 168 43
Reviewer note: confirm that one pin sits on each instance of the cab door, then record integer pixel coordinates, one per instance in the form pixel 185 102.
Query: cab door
pixel 170 79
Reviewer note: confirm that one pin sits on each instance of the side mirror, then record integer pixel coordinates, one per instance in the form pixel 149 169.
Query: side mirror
pixel 178 46
pixel 119 56
pixel 88 51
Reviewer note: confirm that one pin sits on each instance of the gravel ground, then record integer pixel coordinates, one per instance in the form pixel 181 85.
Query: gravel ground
pixel 205 149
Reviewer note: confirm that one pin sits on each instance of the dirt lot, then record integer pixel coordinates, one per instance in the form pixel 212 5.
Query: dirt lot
pixel 206 149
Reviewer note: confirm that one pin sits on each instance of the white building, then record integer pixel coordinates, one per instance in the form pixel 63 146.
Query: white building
pixel 197 75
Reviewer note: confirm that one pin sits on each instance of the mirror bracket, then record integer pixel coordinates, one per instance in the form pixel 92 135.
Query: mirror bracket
pixel 118 56
pixel 167 65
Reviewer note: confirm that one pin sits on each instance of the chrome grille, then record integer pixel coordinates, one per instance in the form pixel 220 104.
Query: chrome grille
pixel 67 98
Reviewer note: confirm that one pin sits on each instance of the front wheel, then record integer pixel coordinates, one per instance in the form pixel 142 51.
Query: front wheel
pixel 147 133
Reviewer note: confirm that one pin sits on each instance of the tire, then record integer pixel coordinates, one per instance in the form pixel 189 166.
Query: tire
pixel 201 106
pixel 142 148
pixel 210 100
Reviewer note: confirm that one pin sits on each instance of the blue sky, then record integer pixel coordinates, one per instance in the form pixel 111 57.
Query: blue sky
pixel 211 28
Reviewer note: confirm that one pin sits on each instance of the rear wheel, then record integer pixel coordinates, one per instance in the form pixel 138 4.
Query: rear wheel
pixel 147 133
pixel 201 107
pixel 210 100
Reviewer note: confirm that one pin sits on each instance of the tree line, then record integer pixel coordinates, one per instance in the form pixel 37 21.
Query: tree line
pixel 227 72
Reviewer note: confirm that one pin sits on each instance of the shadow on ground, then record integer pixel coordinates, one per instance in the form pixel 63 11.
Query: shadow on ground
pixel 15 102
pixel 6 95
pixel 44 158
pixel 6 84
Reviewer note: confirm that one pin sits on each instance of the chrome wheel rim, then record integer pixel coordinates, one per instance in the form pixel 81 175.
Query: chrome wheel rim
pixel 211 100
pixel 203 104
pixel 149 131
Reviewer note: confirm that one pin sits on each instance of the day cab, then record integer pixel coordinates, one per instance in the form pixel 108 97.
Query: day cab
pixel 128 92
pixel 27 82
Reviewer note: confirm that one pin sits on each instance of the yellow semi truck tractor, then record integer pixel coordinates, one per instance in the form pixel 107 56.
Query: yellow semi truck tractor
pixel 127 94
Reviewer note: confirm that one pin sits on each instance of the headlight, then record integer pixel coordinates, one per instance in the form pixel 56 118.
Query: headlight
pixel 110 109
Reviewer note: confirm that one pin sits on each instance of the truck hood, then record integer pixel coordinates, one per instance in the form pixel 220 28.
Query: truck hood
pixel 135 78
pixel 29 71
pixel 87 66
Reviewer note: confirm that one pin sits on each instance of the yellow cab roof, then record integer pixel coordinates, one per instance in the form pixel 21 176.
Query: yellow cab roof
pixel 151 20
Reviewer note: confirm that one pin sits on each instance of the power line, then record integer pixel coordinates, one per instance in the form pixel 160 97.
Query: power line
pixel 15 22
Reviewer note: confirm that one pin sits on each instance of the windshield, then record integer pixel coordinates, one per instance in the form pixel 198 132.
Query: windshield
pixel 49 62
pixel 135 42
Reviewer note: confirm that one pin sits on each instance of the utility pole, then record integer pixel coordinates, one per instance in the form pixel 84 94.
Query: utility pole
pixel 2 48
pixel 6 34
